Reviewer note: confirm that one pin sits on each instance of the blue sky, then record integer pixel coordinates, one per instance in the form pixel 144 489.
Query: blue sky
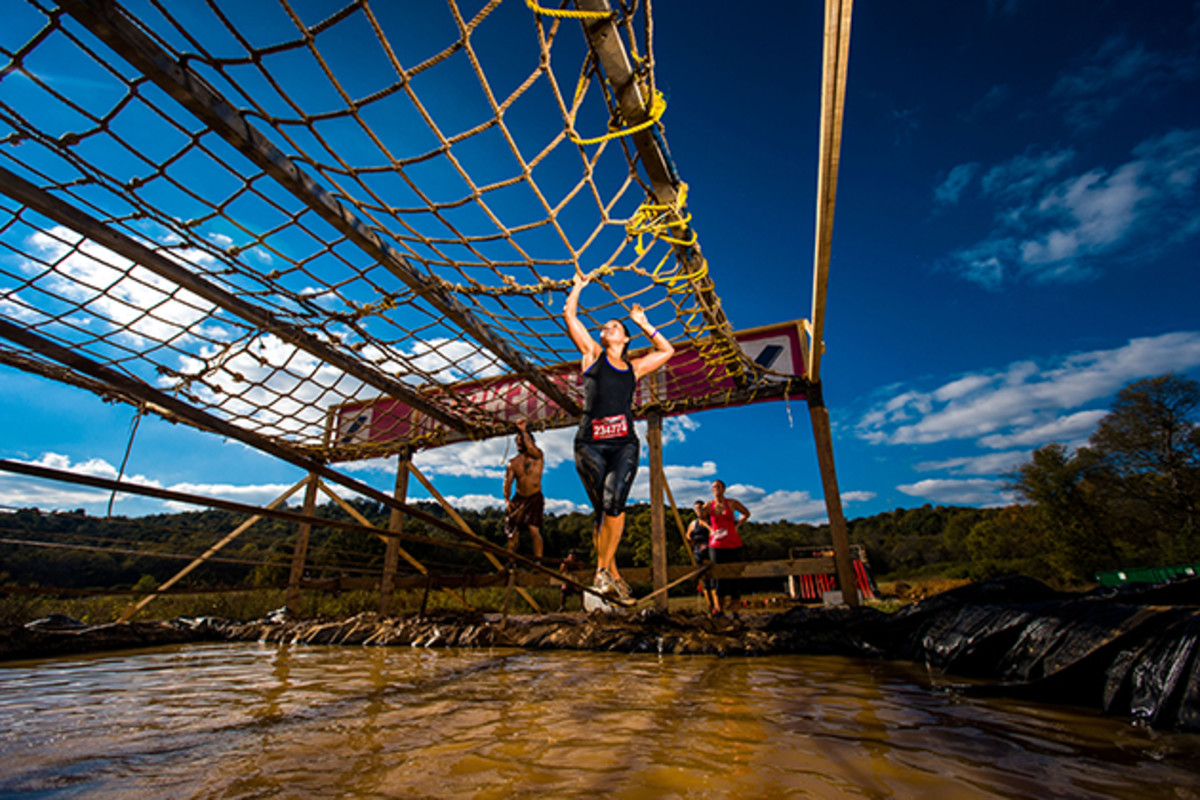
pixel 1016 237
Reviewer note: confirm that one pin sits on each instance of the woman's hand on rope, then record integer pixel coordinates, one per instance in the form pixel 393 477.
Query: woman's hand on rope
pixel 588 347
pixel 663 349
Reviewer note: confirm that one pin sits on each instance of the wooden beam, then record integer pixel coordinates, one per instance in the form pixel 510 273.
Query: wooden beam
pixel 833 103
pixel 605 41
pixel 676 574
pixel 658 530
pixel 678 519
pixel 175 77
pixel 124 385
pixel 67 215
pixel 659 595
pixel 300 553
pixel 823 439
pixel 391 556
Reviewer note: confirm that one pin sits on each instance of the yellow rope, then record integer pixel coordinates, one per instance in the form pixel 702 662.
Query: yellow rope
pixel 658 104
pixel 563 13
pixel 657 219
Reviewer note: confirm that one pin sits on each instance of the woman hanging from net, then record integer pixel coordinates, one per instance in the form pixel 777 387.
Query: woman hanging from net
pixel 606 447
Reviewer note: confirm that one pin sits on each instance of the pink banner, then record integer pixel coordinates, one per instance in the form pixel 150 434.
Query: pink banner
pixel 686 384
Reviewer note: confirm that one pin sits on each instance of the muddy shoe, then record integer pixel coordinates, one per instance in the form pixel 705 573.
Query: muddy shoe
pixel 623 592
pixel 605 585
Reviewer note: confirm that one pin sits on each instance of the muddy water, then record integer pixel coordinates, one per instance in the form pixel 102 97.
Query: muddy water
pixel 258 721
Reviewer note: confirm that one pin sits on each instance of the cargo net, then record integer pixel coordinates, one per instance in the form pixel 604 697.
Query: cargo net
pixel 280 213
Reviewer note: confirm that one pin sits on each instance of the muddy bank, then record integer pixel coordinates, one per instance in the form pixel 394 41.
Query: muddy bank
pixel 1131 653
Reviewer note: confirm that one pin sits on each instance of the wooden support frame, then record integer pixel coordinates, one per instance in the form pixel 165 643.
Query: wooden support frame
pixel 391 556
pixel 393 542
pixel 300 553
pixel 462 523
pixel 833 101
pixel 658 532
pixel 123 385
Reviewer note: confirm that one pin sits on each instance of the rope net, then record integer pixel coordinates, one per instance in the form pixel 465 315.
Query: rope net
pixel 280 213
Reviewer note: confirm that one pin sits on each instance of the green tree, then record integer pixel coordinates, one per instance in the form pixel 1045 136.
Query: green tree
pixel 1068 510
pixel 1150 444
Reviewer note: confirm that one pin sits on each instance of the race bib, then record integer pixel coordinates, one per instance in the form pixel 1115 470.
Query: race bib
pixel 610 427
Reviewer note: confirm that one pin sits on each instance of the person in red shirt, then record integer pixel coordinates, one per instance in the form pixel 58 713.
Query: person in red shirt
pixel 725 545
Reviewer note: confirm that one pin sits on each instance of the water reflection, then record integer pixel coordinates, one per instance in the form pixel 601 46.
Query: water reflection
pixel 244 720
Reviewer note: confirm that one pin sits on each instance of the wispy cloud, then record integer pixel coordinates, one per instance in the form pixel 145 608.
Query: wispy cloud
pixel 990 464
pixel 949 190
pixel 1026 404
pixel 1049 228
pixel 992 100
pixel 1116 73
pixel 973 491
pixel 20 491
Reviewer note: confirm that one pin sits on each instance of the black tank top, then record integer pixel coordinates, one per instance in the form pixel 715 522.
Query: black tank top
pixel 608 398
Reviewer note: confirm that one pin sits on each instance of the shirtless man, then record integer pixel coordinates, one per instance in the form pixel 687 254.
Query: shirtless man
pixel 524 509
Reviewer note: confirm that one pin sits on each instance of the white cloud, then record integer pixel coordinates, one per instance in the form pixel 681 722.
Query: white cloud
pixel 1073 428
pixel 949 190
pixel 1020 176
pixel 489 458
pixel 676 429
pixel 20 491
pixel 382 466
pixel 990 464
pixel 1025 404
pixel 689 484
pixel 475 502
pixel 26 492
pixel 974 491
pixel 262 494
pixel 138 305
pixel 480 502
pixel 1051 229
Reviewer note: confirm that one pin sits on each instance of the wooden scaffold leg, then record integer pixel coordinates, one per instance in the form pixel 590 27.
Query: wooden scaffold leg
pixel 300 554
pixel 658 528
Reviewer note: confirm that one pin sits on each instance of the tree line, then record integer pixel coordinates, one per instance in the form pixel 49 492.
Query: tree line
pixel 1127 498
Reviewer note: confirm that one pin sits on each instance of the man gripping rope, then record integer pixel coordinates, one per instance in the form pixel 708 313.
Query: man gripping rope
pixel 524 509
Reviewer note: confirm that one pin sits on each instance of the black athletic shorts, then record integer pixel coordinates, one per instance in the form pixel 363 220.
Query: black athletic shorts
pixel 607 470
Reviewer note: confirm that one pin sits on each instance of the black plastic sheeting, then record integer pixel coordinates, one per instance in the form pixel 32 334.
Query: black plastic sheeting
pixel 1128 652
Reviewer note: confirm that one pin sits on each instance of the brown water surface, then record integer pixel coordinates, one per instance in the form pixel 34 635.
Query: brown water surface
pixel 260 721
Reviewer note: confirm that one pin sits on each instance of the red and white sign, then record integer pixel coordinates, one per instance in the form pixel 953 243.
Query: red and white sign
pixel 686 379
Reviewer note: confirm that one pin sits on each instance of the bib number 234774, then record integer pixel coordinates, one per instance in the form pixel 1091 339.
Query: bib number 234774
pixel 613 427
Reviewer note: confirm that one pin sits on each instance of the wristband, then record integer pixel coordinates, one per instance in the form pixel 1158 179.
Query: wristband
pixel 653 333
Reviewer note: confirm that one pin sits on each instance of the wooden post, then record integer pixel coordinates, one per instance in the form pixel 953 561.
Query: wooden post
pixel 391 557
pixel 658 527
pixel 300 554
pixel 833 498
